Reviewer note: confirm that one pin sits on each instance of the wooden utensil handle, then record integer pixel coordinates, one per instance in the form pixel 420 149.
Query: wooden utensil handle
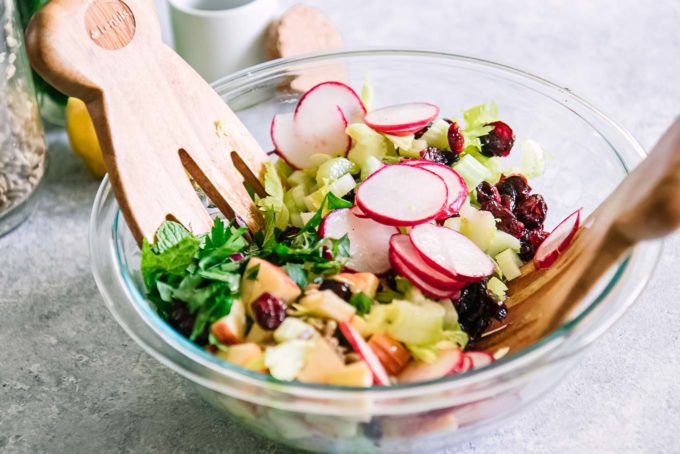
pixel 79 45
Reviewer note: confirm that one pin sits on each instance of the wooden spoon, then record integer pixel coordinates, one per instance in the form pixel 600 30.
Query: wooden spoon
pixel 155 117
pixel 644 206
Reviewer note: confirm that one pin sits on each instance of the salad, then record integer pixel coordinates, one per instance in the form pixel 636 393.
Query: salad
pixel 390 236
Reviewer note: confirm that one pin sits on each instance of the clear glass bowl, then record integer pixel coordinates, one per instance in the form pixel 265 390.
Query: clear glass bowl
pixel 590 155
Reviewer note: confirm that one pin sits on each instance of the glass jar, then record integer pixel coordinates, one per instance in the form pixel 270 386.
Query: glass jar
pixel 22 141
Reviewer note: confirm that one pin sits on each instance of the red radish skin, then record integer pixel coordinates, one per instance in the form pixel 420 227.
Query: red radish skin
pixel 360 346
pixel 451 253
pixel 402 119
pixel 402 195
pixel 332 93
pixel 356 211
pixel 428 290
pixel 558 241
pixel 456 187
pixel 368 240
pixel 418 371
pixel 464 366
pixel 479 358
pixel 401 246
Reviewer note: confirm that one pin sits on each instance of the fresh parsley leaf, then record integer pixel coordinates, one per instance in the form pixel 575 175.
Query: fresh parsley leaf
pixel 297 273
pixel 361 302
pixel 172 261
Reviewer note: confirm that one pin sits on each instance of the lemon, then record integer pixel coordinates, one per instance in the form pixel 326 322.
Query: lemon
pixel 82 137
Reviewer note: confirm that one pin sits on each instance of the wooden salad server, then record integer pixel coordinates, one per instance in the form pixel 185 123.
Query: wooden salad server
pixel 646 205
pixel 155 117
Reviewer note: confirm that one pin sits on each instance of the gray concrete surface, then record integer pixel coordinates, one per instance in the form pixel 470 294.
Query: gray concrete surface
pixel 71 381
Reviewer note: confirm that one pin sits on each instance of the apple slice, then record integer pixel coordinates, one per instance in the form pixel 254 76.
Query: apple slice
pixel 322 360
pixel 327 304
pixel 447 361
pixel 455 186
pixel 231 329
pixel 558 241
pixel 356 374
pixel 479 358
pixel 427 289
pixel 248 355
pixel 366 283
pixel 402 246
pixel 402 195
pixel 402 119
pixel 368 240
pixel 268 278
pixel 451 253
pixel 391 353
pixel 361 347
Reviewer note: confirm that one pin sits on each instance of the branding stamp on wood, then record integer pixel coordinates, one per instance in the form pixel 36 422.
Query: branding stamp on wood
pixel 110 24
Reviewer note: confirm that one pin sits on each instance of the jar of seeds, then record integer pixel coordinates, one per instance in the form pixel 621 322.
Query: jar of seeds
pixel 22 141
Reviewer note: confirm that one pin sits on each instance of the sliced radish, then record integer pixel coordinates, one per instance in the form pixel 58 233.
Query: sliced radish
pixel 368 240
pixel 321 98
pixel 360 346
pixel 479 358
pixel 451 253
pixel 356 211
pixel 455 185
pixel 428 290
pixel 416 371
pixel 465 365
pixel 401 246
pixel 402 119
pixel 558 241
pixel 402 195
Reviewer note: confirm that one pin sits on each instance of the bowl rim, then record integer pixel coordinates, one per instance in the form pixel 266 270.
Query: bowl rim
pixel 561 337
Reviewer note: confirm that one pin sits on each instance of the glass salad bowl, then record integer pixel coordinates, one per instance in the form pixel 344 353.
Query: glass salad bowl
pixel 588 156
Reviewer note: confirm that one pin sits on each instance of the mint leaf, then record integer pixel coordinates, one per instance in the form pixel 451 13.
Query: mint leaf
pixel 172 261
pixel 297 273
pixel 362 303
pixel 168 235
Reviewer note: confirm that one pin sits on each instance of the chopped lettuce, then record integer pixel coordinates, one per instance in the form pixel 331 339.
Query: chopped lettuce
pixel 274 202
pixel 477 119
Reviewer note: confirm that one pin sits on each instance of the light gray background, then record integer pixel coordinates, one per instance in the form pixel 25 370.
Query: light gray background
pixel 71 380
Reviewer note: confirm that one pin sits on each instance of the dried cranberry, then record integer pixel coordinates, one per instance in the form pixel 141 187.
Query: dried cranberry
pixel 420 133
pixel 455 137
pixel 269 311
pixel 530 242
pixel 515 186
pixel 505 219
pixel 183 321
pixel 438 155
pixel 486 192
pixel 499 141
pixel 476 308
pixel 350 196
pixel 339 288
pixel 532 211
pixel 508 201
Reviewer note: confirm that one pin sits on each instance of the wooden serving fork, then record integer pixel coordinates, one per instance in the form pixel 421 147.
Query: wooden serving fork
pixel 155 117
pixel 644 206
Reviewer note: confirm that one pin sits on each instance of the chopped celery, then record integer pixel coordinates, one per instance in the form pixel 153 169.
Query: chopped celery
pixel 472 171
pixel 377 319
pixel 365 142
pixel 509 263
pixel 287 359
pixel 437 135
pixel 342 186
pixel 305 217
pixel 479 226
pixel 296 220
pixel 417 324
pixel 450 315
pixel 497 287
pixel 283 169
pixel 417 146
pixel 401 143
pixel 289 201
pixel 298 177
pixel 296 194
pixel 502 241
pixel 367 93
pixel 453 223
pixel 333 169
pixel 371 165
pixel 313 201
pixel 533 159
